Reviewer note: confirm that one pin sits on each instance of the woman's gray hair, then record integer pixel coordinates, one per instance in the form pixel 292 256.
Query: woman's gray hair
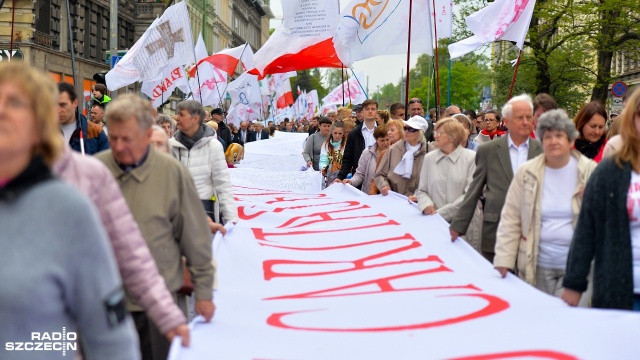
pixel 507 109
pixel 463 118
pixel 556 120
pixel 160 130
pixel 193 107
pixel 166 119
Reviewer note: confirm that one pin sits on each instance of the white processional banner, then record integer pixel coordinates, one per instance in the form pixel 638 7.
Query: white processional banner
pixel 283 152
pixel 341 275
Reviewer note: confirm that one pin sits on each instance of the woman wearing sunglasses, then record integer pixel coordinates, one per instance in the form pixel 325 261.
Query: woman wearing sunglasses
pixel 400 167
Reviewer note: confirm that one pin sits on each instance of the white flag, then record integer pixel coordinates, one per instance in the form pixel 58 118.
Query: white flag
pixel 444 18
pixel 207 80
pixel 380 28
pixel 245 91
pixel 168 41
pixel 352 93
pixel 501 20
pixel 160 88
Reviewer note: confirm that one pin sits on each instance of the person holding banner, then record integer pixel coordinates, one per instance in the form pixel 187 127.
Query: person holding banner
pixel 332 151
pixel 446 172
pixel 313 144
pixel 400 167
pixel 369 160
pixel 608 228
pixel 542 207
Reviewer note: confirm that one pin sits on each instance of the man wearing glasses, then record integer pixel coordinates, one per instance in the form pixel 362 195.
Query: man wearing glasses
pixel 416 108
pixel 496 163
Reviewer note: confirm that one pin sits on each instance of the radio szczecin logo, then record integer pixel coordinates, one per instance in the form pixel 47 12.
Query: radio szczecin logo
pixel 46 341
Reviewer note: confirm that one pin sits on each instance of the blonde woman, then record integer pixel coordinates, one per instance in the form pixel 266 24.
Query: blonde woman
pixel 446 172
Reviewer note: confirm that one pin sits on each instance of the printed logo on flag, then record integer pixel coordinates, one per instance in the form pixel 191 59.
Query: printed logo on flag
pixel 46 341
pixel 371 14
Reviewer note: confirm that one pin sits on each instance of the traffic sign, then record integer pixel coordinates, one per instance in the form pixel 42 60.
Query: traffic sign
pixel 619 88
pixel 114 60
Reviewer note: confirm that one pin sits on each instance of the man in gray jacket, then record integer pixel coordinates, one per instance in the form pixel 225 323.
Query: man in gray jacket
pixel 496 163
pixel 164 202
pixel 314 142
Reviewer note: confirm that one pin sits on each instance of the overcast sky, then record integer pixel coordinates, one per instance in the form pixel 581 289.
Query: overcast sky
pixel 380 70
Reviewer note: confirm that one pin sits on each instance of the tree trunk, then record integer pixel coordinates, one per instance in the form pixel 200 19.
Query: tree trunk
pixel 605 44
pixel 543 78
pixel 601 87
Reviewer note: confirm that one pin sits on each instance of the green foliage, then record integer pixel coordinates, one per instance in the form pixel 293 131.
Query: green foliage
pixel 308 80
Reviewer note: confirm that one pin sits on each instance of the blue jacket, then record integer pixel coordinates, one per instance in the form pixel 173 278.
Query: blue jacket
pixel 95 139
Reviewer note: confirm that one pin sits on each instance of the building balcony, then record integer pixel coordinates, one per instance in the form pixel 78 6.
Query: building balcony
pixel 43 39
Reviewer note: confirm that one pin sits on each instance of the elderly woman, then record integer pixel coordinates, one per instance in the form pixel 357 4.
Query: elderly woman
pixel 369 159
pixel 590 122
pixel 331 152
pixel 66 276
pixel 167 123
pixel 542 207
pixel 466 123
pixel 400 167
pixel 446 172
pixel 608 228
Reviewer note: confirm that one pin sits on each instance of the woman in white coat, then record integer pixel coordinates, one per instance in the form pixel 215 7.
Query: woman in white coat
pixel 542 206
pixel 446 172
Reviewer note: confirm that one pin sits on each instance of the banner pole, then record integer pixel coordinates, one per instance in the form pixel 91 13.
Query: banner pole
pixel 359 83
pixel 406 83
pixel 349 90
pixel 73 71
pixel 342 78
pixel 435 36
pixel 515 73
pixel 449 80
pixel 13 16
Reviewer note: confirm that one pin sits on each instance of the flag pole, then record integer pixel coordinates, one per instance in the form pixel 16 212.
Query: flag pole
pixel 342 77
pixel 13 16
pixel 359 83
pixel 406 82
pixel 195 61
pixel 449 80
pixel 239 61
pixel 435 36
pixel 349 90
pixel 515 73
pixel 73 71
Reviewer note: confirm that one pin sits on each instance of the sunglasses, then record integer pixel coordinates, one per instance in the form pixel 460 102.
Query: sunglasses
pixel 410 129
pixel 415 101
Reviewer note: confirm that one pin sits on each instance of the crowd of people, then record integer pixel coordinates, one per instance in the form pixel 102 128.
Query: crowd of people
pixel 127 245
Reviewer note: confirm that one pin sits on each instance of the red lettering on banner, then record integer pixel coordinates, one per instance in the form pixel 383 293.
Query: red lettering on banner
pixel 543 354
pixel 261 235
pixel 358 264
pixel 326 216
pixel 384 284
pixel 307 197
pixel 348 203
pixel 494 306
pixel 336 247
pixel 244 216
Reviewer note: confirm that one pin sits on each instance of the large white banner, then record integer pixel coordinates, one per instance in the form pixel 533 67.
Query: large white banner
pixel 283 152
pixel 341 275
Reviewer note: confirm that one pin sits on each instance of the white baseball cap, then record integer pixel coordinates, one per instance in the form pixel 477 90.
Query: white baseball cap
pixel 417 122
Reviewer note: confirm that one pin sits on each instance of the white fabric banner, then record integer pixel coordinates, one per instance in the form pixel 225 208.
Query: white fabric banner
pixel 160 88
pixel 168 41
pixel 283 152
pixel 443 14
pixel 500 20
pixel 300 182
pixel 349 92
pixel 341 275
pixel 372 28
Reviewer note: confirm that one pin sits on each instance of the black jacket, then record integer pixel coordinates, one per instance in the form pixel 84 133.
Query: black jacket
pixel 352 151
pixel 253 135
pixel 224 133
pixel 603 232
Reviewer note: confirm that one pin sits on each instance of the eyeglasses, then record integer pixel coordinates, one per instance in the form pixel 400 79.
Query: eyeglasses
pixel 410 129
pixel 413 101
pixel 489 120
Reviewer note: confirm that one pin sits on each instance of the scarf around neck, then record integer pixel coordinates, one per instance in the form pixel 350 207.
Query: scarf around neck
pixel 188 142
pixel 405 166
pixel 589 149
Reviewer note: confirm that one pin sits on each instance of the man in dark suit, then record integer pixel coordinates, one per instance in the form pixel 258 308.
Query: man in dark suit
pixel 244 134
pixel 496 163
pixel 259 134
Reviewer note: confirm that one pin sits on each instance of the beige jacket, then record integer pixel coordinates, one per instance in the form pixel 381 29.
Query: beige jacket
pixel 386 177
pixel 444 179
pixel 518 237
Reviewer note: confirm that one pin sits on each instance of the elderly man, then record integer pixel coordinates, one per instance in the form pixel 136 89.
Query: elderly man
pixel 332 115
pixel 244 133
pixel 496 163
pixel 164 202
pixel 159 139
pixel 416 108
pixel 452 110
pixel 260 134
pixel 196 146
pixel 97 114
